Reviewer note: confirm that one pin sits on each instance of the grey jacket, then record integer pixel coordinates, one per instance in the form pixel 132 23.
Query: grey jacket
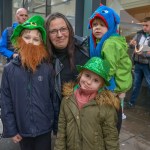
pixel 144 57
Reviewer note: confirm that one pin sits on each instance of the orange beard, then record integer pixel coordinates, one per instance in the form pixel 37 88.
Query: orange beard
pixel 31 55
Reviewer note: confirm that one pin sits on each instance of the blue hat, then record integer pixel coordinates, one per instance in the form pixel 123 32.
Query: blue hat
pixel 107 14
pixel 111 20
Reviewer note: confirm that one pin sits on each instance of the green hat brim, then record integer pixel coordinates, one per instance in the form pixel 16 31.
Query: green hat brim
pixel 80 68
pixel 20 28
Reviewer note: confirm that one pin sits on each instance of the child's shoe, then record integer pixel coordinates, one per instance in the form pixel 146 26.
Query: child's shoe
pixel 124 116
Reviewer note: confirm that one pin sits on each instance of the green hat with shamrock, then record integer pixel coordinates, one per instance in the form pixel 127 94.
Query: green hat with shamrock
pixel 35 22
pixel 99 66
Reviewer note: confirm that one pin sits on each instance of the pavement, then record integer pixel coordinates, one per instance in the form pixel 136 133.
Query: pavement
pixel 135 131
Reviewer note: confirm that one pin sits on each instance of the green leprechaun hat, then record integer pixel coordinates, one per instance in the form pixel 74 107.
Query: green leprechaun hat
pixel 97 65
pixel 35 22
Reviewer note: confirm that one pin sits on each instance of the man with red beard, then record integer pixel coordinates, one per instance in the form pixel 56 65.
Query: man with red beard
pixel 29 111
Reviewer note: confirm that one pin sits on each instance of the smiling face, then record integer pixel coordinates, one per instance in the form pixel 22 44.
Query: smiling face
pixel 91 81
pixel 99 28
pixel 58 33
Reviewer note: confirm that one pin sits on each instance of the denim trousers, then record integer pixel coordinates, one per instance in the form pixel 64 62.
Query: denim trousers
pixel 141 71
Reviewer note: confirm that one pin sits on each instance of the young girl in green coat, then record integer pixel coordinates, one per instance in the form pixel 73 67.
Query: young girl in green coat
pixel 88 117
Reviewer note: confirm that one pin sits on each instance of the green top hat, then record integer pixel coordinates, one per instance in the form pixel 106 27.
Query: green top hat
pixel 35 22
pixel 98 66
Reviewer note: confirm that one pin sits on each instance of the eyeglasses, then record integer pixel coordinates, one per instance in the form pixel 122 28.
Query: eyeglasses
pixel 55 31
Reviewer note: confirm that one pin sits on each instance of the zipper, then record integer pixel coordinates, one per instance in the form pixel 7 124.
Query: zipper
pixel 30 102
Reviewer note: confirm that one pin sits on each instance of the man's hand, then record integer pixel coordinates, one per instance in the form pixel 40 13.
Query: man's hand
pixel 133 42
pixel 14 55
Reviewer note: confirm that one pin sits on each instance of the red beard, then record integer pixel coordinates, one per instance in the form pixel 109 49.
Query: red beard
pixel 31 55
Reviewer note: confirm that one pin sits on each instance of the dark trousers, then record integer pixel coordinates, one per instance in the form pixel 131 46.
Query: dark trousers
pixel 119 123
pixel 42 142
pixel 140 71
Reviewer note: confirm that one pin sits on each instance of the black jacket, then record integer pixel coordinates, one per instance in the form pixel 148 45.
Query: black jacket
pixel 81 57
pixel 28 104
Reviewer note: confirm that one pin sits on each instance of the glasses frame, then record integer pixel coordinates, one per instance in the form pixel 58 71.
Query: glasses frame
pixel 62 30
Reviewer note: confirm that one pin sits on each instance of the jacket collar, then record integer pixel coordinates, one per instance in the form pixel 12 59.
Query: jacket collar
pixel 58 65
pixel 103 98
pixel 16 61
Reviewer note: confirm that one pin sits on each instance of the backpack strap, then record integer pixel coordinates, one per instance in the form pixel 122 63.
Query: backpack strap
pixel 9 34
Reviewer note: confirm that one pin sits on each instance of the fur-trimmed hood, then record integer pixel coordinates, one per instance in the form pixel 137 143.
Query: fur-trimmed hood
pixel 103 98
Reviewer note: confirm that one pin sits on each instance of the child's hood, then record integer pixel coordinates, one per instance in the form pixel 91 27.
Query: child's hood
pixel 103 98
pixel 108 15
pixel 111 20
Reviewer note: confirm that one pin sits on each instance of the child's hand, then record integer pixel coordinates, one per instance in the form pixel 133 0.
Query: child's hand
pixel 121 95
pixel 17 138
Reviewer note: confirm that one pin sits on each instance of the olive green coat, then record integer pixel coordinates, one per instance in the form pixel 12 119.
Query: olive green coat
pixel 91 128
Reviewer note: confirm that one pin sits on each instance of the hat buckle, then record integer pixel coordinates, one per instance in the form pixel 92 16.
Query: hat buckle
pixel 30 23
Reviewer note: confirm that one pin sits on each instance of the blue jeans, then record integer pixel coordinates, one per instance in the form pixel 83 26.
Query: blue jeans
pixel 141 71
